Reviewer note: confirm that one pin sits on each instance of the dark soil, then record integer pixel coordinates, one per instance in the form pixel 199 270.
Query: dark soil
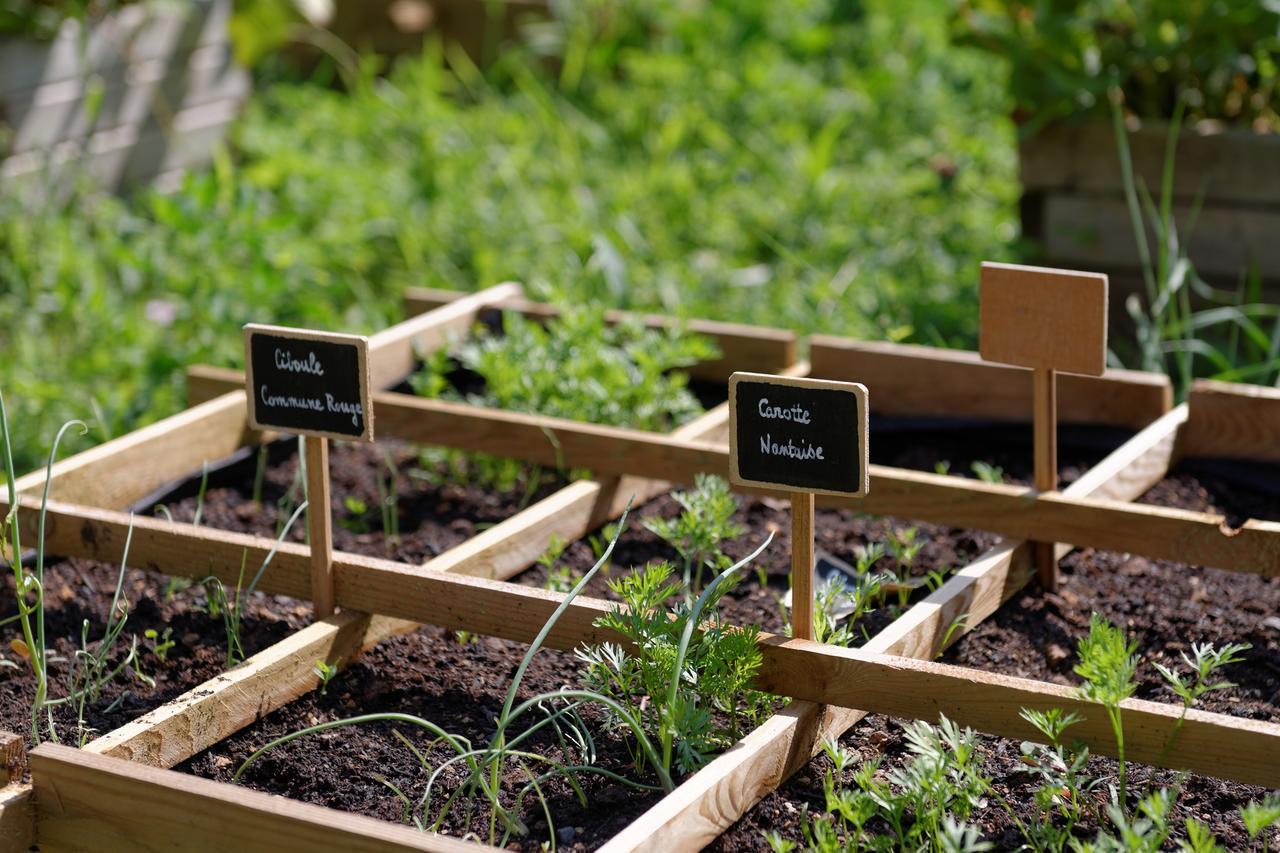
pixel 1164 606
pixel 843 533
pixel 458 685
pixel 79 590
pixel 461 686
pixel 434 514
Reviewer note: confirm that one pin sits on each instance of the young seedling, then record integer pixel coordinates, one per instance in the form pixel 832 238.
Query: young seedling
pixel 685 666
pixel 509 751
pixel 356 521
pixel 160 643
pixel 1261 816
pixel 921 806
pixel 325 672
pixel 1108 662
pixel 986 472
pixel 231 609
pixel 560 578
pixel 699 530
pixel 1204 661
pixel 576 366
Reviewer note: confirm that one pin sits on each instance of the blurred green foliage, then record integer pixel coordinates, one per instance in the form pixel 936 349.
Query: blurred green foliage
pixel 40 19
pixel 824 165
pixel 1219 56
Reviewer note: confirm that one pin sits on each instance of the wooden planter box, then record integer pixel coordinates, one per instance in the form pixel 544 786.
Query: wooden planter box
pixel 1073 198
pixel 169 91
pixel 117 792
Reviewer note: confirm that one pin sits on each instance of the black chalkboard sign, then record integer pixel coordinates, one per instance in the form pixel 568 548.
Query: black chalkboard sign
pixel 309 382
pixel 806 435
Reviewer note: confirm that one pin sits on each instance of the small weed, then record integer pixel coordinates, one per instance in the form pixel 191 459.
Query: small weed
pixel 160 643
pixel 986 472
pixel 325 672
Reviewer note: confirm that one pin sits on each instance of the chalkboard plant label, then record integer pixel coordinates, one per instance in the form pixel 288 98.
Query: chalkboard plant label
pixel 798 435
pixel 310 382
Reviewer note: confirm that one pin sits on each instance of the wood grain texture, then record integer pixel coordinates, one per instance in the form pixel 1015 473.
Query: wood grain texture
pixel 1096 229
pixel 17 817
pixel 1043 318
pixel 123 470
pixel 711 800
pixel 760 349
pixel 87 802
pixel 319 525
pixel 934 382
pixel 394 352
pixel 277 675
pixel 1218 165
pixel 1233 421
pixel 1045 441
pixel 13 758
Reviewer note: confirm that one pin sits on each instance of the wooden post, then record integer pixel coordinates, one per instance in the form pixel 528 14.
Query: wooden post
pixel 802 565
pixel 319 524
pixel 804 436
pixel 1045 420
pixel 13 758
pixel 1050 321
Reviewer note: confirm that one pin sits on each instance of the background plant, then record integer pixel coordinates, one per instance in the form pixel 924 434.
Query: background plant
pixel 638 173
pixel 575 366
pixel 1220 58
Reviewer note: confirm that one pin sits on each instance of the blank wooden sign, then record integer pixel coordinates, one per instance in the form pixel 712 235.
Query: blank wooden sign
pixel 1044 318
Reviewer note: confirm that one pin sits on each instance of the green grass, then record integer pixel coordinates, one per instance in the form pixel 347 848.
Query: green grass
pixel 824 165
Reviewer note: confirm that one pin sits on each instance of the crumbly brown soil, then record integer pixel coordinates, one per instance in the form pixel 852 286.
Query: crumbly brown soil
pixel 1163 605
pixel 434 516
pixel 79 590
pixel 459 685
pixel 843 532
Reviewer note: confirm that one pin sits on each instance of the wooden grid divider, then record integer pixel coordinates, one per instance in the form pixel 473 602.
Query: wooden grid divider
pixel 1019 512
pixel 882 676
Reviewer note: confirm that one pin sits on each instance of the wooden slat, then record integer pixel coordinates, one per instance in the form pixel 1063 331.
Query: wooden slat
pixel 1218 165
pixel 123 470
pixel 1233 421
pixel 1156 532
pixel 754 348
pixel 928 381
pixel 1097 231
pixel 227 703
pixel 17 817
pixel 715 797
pixel 93 802
pixel 394 352
pixel 1210 744
pixel 119 472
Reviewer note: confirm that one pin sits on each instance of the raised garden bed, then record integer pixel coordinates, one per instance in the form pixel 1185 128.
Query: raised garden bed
pixel 112 776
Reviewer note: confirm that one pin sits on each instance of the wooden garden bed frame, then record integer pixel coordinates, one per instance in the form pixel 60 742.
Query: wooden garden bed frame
pixel 118 792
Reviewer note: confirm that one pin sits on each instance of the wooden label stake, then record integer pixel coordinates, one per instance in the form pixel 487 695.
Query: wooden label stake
pixel 315 384
pixel 1050 321
pixel 805 437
